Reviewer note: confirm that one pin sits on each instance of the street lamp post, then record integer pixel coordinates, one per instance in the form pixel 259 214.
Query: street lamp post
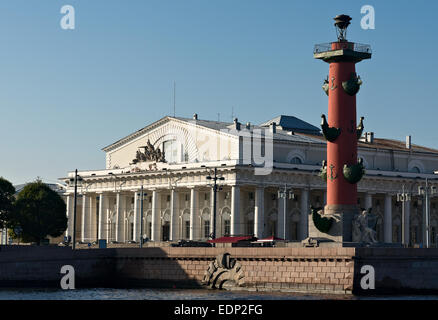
pixel 425 192
pixel 403 197
pixel 215 186
pixel 285 194
pixel 76 179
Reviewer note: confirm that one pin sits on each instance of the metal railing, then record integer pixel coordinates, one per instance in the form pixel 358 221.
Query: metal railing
pixel 325 47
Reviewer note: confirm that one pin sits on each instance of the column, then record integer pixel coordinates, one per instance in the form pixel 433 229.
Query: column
pixel 387 219
pixel 304 208
pixel 369 201
pixel 235 210
pixel 105 217
pixel 120 217
pixel 137 206
pixel 92 219
pixel 193 214
pixel 259 219
pixel 69 213
pixel 101 222
pixel 174 209
pixel 407 221
pixel 84 220
pixel 156 223
pixel 280 216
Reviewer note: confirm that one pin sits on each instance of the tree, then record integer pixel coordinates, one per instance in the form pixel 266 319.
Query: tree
pixel 7 192
pixel 38 211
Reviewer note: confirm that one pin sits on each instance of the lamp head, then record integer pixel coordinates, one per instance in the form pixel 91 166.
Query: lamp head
pixel 342 21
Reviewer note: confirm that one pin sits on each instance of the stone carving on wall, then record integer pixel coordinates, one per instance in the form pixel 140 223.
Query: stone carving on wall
pixel 149 154
pixel 364 227
pixel 224 272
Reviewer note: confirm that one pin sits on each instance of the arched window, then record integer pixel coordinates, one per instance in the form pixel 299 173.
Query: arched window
pixel 396 229
pixel 414 232
pixel 205 220
pixel 130 227
pixel 415 170
pixel 185 226
pixel 249 222
pixel 293 223
pixel 147 227
pixel 416 166
pixel 272 223
pixel 165 228
pixel 112 226
pixel 226 222
pixel 296 160
pixel 173 151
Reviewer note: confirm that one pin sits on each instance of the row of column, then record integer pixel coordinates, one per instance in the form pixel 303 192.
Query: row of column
pixel 105 226
pixel 100 226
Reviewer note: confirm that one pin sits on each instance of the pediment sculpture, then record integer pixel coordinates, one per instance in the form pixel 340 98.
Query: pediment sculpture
pixel 150 154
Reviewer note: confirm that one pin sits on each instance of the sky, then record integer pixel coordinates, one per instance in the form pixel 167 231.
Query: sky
pixel 66 94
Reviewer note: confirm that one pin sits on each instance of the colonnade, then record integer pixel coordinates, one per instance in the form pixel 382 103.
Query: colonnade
pixel 187 213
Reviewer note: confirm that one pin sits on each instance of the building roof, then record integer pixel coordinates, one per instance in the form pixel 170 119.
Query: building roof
pixel 381 143
pixel 289 129
pixel 281 133
pixel 291 123
pixel 54 186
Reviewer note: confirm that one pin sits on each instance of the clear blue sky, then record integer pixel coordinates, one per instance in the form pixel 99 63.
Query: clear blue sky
pixel 65 94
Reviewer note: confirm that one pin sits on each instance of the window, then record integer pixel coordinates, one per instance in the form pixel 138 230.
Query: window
pixel 206 228
pixel 250 227
pixel 415 170
pixel 187 229
pixel 150 229
pixel 273 227
pixel 294 230
pixel 414 234
pixel 251 195
pixel 396 236
pixel 296 160
pixel 227 227
pixel 172 151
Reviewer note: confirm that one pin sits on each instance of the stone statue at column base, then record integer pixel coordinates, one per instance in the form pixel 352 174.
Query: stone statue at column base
pixel 364 227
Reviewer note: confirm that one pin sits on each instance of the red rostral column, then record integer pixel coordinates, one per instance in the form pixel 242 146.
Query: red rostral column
pixel 340 130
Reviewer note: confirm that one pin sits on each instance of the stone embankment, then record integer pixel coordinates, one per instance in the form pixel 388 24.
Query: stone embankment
pixel 310 270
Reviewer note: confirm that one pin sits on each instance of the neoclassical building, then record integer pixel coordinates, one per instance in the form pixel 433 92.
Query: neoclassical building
pixel 172 157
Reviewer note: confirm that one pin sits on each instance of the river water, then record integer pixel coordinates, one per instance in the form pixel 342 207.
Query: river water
pixel 174 294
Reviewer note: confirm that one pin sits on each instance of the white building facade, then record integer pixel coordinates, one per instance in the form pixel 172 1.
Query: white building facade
pixel 256 162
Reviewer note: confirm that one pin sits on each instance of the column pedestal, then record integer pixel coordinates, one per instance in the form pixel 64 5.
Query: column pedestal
pixel 341 228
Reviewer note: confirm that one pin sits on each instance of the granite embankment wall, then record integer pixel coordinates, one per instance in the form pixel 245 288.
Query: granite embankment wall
pixel 317 270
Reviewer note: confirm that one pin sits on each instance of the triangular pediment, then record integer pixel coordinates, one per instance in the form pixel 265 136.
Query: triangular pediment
pixel 183 140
